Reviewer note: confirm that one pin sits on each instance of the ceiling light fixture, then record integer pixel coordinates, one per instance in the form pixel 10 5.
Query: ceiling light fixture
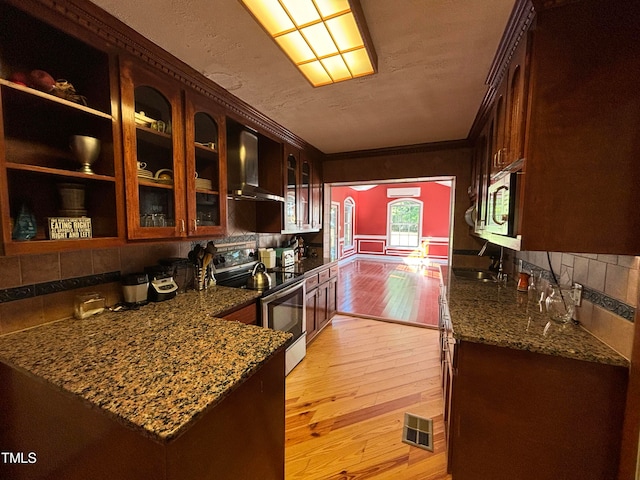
pixel 326 39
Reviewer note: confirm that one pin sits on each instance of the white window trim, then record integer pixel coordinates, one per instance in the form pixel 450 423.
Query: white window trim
pixel 389 206
pixel 352 202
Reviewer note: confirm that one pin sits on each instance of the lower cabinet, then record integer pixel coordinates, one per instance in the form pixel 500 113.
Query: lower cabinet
pixel 247 314
pixel 321 299
pixel 522 415
pixel 241 437
pixel 447 356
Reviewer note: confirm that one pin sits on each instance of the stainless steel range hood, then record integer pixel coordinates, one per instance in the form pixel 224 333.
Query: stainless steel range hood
pixel 242 167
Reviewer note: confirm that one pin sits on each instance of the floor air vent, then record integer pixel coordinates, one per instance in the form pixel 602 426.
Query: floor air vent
pixel 418 431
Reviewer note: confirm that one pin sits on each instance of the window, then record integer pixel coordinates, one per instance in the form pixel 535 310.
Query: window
pixel 404 221
pixel 349 207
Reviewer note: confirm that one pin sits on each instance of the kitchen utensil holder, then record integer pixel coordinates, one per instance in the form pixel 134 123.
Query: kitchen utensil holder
pixel 203 277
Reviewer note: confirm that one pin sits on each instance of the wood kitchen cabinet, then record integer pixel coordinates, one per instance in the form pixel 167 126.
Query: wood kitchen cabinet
pixel 247 314
pixel 517 414
pixel 508 116
pixel 240 437
pixel 205 166
pixel 517 402
pixel 165 147
pixel 36 163
pixel 447 356
pixel 316 194
pixel 572 106
pixel 299 194
pixel 293 217
pixel 182 133
pixel 302 209
pixel 321 299
pixel 153 124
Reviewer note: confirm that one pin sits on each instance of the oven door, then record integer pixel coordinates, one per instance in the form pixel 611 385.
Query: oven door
pixel 284 310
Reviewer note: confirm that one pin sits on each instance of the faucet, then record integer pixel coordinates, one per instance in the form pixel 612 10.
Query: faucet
pixel 496 260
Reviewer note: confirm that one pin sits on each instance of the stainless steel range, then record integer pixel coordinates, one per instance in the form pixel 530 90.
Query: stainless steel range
pixel 282 302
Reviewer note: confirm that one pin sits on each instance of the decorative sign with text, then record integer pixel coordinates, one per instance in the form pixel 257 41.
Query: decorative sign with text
pixel 61 228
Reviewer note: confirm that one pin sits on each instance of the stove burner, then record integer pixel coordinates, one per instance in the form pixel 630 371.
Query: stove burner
pixel 238 279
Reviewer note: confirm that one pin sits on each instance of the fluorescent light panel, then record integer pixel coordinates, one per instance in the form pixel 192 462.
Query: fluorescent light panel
pixel 321 37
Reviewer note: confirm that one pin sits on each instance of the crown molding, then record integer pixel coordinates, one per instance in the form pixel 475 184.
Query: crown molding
pixel 520 21
pixel 402 150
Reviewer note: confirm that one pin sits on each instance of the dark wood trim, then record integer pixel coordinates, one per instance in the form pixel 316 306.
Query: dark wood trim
pixel 403 150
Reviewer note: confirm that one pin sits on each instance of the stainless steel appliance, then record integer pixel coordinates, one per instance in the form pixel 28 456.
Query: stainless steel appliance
pixel 501 204
pixel 242 165
pixel 284 310
pixel 135 287
pixel 282 301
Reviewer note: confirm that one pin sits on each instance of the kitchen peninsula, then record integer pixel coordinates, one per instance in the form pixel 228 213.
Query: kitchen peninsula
pixel 167 391
pixel 525 397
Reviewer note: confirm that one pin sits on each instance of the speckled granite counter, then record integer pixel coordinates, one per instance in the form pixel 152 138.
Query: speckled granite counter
pixel 495 315
pixel 309 264
pixel 156 369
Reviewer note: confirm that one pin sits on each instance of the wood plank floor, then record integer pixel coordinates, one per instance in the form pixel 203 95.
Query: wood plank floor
pixel 389 290
pixel 345 403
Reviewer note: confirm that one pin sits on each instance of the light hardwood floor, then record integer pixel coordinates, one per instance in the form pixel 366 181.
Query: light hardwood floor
pixel 389 290
pixel 345 403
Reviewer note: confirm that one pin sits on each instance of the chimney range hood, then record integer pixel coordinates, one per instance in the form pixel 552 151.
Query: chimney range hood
pixel 242 167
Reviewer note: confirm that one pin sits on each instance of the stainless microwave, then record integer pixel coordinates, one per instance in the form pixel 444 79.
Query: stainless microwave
pixel 501 204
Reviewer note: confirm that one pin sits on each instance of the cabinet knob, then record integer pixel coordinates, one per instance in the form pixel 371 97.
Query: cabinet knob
pixel 182 229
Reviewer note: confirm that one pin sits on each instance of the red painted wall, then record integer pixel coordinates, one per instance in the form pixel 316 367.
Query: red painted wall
pixel 371 211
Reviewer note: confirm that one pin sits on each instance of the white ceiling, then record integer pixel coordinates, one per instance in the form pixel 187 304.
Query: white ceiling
pixel 433 59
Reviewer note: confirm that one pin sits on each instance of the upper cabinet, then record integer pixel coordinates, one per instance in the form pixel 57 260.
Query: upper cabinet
pixel 293 190
pixel 154 154
pixel 508 114
pixel 566 103
pixel 302 209
pixel 206 167
pixel 172 158
pixel 60 154
pixel 106 138
pixel 316 194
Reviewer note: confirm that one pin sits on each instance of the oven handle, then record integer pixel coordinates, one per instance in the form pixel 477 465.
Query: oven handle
pixel 282 293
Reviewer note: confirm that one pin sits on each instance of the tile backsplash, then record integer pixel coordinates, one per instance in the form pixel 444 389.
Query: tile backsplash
pixel 611 291
pixel 36 289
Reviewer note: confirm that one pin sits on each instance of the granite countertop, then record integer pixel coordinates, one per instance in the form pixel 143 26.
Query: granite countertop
pixel 500 315
pixel 155 369
pixel 306 265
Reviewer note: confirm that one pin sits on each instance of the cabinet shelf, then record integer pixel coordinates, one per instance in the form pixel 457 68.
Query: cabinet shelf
pixel 201 149
pixel 59 172
pixel 44 246
pixel 152 183
pixel 153 137
pixel 17 89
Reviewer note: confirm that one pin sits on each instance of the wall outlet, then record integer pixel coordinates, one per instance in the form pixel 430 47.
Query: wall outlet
pixel 577 292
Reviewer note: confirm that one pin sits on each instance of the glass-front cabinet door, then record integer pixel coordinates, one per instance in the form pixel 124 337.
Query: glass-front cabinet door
pixel 205 167
pixel 154 155
pixel 305 193
pixel 291 193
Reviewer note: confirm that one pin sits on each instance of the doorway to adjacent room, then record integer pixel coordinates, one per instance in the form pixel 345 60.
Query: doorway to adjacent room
pixel 390 238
